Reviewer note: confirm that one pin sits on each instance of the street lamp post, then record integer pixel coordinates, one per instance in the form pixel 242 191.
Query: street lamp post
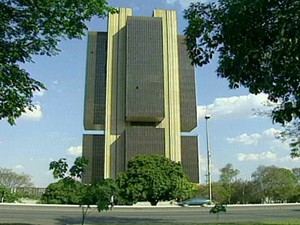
pixel 207 117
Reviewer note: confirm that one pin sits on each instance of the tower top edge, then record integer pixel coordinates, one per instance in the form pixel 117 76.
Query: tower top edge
pixel 124 10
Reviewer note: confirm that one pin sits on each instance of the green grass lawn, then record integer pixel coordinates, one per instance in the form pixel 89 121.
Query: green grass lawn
pixel 290 222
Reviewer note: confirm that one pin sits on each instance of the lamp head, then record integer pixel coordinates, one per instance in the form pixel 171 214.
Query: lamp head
pixel 207 116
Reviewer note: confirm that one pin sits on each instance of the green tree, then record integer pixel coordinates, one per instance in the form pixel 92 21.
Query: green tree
pixel 258 47
pixel 292 134
pixel 296 171
pixel 13 180
pixel 29 28
pixel 274 184
pixel 69 190
pixel 219 193
pixel 6 195
pixel 228 173
pixel 252 193
pixel 61 168
pixel 64 192
pixel 100 192
pixel 154 178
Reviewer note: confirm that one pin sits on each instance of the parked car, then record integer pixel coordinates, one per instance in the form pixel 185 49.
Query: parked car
pixel 196 201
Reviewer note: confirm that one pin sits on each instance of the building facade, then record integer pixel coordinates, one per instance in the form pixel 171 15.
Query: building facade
pixel 140 95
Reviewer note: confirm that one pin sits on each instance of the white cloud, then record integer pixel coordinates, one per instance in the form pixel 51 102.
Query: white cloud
pixel 19 167
pixel 245 139
pixel 171 1
pixel 236 107
pixel 75 151
pixel 56 85
pixel 183 3
pixel 39 93
pixel 271 133
pixel 254 139
pixel 34 114
pixel 289 159
pixel 257 156
pixel 268 156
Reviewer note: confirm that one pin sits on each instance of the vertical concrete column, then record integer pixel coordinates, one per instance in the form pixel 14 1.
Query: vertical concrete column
pixel 171 83
pixel 115 86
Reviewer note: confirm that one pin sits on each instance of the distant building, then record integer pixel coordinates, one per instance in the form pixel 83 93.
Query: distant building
pixel 140 94
pixel 30 191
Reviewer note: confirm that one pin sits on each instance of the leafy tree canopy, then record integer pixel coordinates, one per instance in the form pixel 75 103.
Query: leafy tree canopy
pixel 68 190
pixel 269 184
pixel 99 193
pixel 64 192
pixel 258 47
pixel 6 195
pixel 276 184
pixel 35 27
pixel 296 171
pixel 154 178
pixel 13 180
pixel 228 173
pixel 292 134
pixel 61 168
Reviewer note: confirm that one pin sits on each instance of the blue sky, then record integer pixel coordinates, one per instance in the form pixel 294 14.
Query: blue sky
pixel 54 130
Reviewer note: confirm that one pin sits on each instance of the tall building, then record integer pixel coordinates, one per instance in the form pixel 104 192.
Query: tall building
pixel 139 95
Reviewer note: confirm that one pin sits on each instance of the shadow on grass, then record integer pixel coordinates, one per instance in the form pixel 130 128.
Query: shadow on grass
pixel 110 220
pixel 16 224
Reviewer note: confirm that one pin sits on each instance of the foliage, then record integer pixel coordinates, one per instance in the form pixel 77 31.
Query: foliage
pixel 217 209
pixel 30 28
pixel 258 47
pixel 154 178
pixel 61 168
pixel 69 190
pixel 244 193
pixel 292 134
pixel 64 191
pixel 29 192
pixel 268 184
pixel 99 193
pixel 228 173
pixel 275 184
pixel 296 171
pixel 13 180
pixel 6 195
pixel 219 193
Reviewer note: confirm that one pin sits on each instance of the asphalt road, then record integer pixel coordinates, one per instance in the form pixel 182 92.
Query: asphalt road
pixel 52 215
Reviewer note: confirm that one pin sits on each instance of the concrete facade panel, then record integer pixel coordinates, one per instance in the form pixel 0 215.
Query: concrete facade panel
pixel 144 141
pixel 144 70
pixel 188 105
pixel 190 157
pixel 95 91
pixel 93 150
